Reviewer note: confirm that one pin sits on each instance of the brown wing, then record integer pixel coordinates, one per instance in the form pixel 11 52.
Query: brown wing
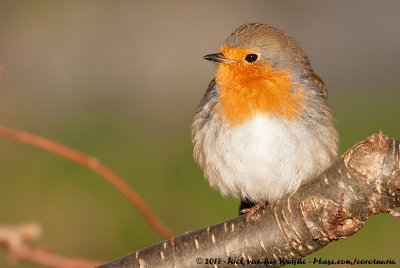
pixel 320 84
pixel 211 93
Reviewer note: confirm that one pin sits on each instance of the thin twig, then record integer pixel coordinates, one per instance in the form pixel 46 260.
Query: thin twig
pixel 93 164
pixel 16 239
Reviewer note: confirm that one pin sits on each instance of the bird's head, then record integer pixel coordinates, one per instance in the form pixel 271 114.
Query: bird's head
pixel 257 66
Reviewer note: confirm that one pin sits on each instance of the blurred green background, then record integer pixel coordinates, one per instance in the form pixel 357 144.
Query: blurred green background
pixel 120 80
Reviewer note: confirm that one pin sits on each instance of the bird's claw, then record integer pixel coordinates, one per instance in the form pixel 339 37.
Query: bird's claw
pixel 251 211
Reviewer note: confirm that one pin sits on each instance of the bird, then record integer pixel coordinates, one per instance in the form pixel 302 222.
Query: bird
pixel 263 127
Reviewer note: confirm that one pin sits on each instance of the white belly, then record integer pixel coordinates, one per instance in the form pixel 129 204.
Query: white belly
pixel 262 160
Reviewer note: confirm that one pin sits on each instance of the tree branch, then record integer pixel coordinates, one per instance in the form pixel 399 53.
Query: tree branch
pixel 363 182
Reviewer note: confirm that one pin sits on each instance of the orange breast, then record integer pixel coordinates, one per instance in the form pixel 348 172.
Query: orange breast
pixel 248 89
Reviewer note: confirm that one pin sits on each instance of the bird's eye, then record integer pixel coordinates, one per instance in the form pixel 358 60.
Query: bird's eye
pixel 251 58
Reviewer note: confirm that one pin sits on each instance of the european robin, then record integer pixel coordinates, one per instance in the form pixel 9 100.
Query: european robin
pixel 263 127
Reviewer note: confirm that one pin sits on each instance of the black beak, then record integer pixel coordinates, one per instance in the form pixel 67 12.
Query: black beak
pixel 217 57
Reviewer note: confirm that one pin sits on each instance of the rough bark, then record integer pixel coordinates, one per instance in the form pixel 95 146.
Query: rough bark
pixel 363 182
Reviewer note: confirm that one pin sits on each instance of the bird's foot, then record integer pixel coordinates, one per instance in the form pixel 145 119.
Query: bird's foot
pixel 250 211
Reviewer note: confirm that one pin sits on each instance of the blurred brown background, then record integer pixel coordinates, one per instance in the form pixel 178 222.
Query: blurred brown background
pixel 120 80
